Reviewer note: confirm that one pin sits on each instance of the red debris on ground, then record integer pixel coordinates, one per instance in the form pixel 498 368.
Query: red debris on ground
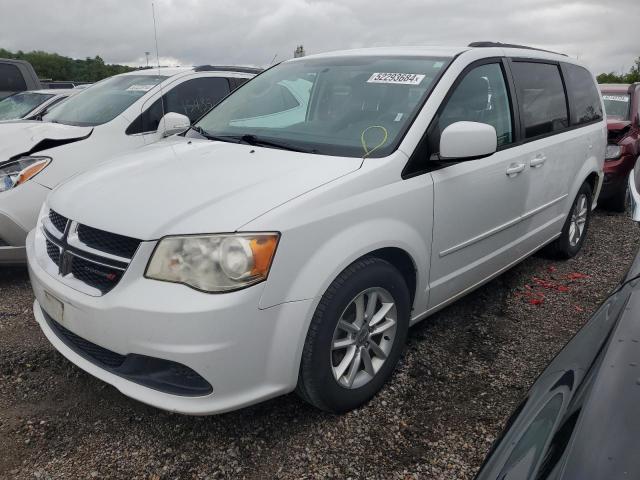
pixel 533 292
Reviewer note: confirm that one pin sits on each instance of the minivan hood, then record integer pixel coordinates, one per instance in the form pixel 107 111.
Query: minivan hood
pixel 29 136
pixel 186 186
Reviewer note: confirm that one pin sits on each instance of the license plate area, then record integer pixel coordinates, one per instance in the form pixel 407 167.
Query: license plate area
pixel 53 307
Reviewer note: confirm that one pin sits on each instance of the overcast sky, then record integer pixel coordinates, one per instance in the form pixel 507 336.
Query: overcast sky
pixel 604 34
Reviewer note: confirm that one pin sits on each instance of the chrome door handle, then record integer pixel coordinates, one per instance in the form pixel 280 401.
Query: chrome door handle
pixel 538 161
pixel 514 169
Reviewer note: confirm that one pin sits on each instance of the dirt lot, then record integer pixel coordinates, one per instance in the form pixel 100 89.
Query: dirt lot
pixel 464 371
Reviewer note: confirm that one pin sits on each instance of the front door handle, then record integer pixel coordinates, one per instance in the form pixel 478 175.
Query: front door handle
pixel 514 169
pixel 538 161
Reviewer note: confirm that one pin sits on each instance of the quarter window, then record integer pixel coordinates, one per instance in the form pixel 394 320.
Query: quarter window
pixel 583 95
pixel 480 97
pixel 11 79
pixel 543 104
pixel 192 98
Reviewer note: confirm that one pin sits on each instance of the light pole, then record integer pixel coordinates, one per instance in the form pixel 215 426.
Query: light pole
pixel 147 55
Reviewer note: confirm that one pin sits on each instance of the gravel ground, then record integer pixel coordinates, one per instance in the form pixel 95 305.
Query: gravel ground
pixel 465 369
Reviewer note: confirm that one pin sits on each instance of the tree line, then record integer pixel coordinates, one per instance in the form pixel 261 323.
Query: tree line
pixel 58 67
pixel 633 75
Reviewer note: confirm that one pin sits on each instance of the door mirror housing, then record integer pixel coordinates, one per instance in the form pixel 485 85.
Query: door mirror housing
pixel 173 123
pixel 462 141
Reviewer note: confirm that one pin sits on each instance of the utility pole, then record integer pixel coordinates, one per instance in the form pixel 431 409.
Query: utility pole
pixel 147 55
pixel 299 52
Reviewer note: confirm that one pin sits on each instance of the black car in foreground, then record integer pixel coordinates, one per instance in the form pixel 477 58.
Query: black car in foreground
pixel 581 418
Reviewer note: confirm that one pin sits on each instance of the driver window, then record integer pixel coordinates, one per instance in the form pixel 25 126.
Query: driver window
pixel 192 98
pixel 480 97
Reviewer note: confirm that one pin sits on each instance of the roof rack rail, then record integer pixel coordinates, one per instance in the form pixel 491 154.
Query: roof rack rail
pixel 226 68
pixel 511 45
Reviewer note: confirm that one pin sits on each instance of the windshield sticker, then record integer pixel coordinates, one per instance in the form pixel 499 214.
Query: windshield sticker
pixel 140 88
pixel 397 78
pixel 438 65
pixel 616 98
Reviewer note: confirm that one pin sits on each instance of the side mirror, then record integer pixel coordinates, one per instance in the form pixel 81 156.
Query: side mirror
pixel 173 123
pixel 462 141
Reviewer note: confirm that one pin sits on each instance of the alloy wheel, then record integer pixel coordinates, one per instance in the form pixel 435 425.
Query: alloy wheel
pixel 578 220
pixel 363 337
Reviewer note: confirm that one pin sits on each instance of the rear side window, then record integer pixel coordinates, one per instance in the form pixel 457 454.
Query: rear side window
pixel 11 79
pixel 543 104
pixel 584 99
pixel 192 98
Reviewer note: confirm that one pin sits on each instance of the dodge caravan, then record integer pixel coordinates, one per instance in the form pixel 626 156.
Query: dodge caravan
pixel 289 239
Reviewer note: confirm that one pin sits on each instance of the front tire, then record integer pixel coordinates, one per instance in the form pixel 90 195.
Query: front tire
pixel 356 336
pixel 575 228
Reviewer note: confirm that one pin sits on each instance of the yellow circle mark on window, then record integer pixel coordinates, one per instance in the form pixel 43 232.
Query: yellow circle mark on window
pixel 367 150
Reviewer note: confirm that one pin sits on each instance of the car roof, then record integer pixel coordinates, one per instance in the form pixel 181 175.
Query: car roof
pixel 491 48
pixel 171 71
pixel 615 87
pixel 53 91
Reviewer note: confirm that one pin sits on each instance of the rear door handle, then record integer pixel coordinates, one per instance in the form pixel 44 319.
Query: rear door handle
pixel 514 169
pixel 538 161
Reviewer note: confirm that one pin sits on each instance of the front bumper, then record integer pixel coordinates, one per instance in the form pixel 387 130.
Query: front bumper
pixel 246 354
pixel 18 215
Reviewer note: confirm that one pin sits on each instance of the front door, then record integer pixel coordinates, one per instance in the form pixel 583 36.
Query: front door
pixel 478 204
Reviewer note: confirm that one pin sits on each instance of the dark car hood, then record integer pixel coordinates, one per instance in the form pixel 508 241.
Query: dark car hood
pixel 581 418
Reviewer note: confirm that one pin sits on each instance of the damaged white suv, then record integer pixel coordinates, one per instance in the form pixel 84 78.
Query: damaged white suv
pixel 116 115
pixel 289 239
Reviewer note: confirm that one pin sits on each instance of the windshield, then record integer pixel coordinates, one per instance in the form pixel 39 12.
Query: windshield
pixel 19 105
pixel 347 106
pixel 104 101
pixel 616 105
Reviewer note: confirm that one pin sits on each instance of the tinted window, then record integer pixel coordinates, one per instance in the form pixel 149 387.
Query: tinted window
pixel 583 95
pixel 192 98
pixel 543 104
pixel 11 79
pixel 480 97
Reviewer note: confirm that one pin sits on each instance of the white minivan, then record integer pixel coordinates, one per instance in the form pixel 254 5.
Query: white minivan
pixel 289 239
pixel 116 115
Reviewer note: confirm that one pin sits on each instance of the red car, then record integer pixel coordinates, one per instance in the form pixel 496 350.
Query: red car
pixel 621 103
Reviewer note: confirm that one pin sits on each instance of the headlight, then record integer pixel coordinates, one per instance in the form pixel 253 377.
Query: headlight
pixel 214 263
pixel 613 152
pixel 16 172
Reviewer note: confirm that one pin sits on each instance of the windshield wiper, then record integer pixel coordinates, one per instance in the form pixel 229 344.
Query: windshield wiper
pixel 220 138
pixel 264 142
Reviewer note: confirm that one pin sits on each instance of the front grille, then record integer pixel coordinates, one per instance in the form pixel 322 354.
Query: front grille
pixel 108 242
pixel 54 252
pixel 102 277
pixel 87 255
pixel 58 221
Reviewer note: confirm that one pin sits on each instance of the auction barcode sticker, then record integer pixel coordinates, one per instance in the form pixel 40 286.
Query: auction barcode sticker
pixel 397 78
pixel 617 98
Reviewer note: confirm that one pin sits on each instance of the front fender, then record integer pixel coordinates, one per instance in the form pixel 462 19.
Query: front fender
pixel 319 266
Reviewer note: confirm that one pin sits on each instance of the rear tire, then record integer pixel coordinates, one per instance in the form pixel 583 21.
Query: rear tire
pixel 344 366
pixel 575 228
